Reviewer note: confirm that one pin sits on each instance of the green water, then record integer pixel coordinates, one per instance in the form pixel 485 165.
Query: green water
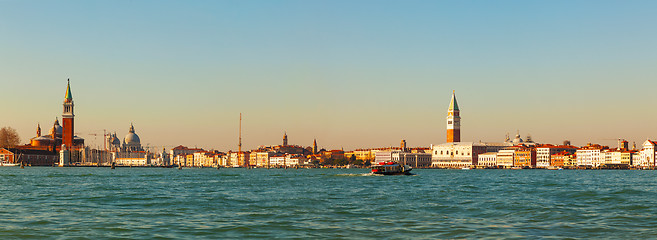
pixel 152 203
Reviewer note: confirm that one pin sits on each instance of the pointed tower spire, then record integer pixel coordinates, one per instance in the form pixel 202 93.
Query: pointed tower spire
pixel 38 130
pixel 453 105
pixel 453 120
pixel 69 96
pixel 285 139
pixel 315 146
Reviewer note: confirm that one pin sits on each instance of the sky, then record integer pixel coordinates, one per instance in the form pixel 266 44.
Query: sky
pixel 351 74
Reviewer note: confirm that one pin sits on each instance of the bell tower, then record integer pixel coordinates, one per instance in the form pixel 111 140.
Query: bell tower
pixel 453 121
pixel 67 118
pixel 285 139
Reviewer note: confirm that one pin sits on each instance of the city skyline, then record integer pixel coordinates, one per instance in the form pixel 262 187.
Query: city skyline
pixel 352 75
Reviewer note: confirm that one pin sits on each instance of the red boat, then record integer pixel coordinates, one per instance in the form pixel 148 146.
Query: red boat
pixel 391 168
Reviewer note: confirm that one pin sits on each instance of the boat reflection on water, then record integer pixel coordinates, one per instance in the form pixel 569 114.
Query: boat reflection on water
pixel 391 168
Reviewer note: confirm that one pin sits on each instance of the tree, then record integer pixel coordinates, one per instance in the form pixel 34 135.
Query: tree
pixel 352 159
pixel 367 163
pixel 9 137
pixel 358 162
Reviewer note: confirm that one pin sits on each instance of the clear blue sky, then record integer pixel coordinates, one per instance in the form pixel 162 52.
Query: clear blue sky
pixel 349 73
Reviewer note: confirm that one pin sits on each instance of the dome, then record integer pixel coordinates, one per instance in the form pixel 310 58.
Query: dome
pixel 56 128
pixel 132 137
pixel 116 141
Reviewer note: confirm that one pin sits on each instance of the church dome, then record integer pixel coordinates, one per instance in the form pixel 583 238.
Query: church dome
pixel 56 129
pixel 116 141
pixel 132 137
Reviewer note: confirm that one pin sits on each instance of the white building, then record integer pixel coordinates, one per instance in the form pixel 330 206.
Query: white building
pixel 488 159
pixel 456 154
pixel 505 157
pixel 131 158
pixel 647 154
pixel 416 160
pixel 589 156
pixel 262 158
pixel 616 157
pixel 543 154
pixel 277 161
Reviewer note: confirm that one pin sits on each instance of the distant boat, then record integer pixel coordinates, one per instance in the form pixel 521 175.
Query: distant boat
pixel 465 168
pixel 8 164
pixel 391 168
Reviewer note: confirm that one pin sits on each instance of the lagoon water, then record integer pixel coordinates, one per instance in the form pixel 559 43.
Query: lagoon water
pixel 99 203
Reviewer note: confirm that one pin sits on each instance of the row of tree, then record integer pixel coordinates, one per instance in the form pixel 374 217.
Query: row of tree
pixel 9 137
pixel 344 161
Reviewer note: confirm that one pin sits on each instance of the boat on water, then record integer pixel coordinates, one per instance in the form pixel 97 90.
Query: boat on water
pixel 8 164
pixel 391 168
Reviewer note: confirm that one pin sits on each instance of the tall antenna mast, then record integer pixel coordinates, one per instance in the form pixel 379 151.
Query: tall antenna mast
pixel 239 146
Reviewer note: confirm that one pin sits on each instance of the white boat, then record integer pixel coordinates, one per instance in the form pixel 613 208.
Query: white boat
pixel 7 164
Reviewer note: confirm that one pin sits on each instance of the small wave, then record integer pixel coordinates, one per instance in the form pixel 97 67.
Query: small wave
pixel 356 174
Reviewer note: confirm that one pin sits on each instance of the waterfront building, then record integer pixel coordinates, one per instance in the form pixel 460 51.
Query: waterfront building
pixel 277 160
pixel 417 160
pixel 287 160
pixel 162 159
pixel 453 121
pixel 488 159
pixel 369 155
pixel 589 155
pixel 180 160
pixel 505 157
pixel 182 150
pixel 647 154
pixel 238 159
pixel 124 158
pixel 29 157
pixel 262 158
pixel 456 154
pixel 295 160
pixel 636 159
pixel 524 157
pixel 202 159
pixel 383 156
pixel 563 159
pixel 96 157
pixel 333 154
pixel 545 152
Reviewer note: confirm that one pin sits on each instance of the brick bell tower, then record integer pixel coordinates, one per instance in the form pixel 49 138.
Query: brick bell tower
pixel 453 121
pixel 67 118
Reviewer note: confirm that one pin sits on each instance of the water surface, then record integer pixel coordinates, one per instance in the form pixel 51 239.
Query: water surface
pixel 98 203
